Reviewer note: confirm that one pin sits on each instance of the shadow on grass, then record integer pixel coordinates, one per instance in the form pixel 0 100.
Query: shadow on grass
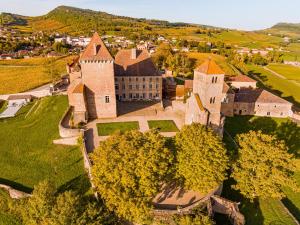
pixel 287 131
pixel 292 208
pixel 251 210
pixel 16 185
pixel 260 78
pixel 79 184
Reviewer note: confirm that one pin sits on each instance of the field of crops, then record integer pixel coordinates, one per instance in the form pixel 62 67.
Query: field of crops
pixel 220 60
pixel 20 75
pixel 288 71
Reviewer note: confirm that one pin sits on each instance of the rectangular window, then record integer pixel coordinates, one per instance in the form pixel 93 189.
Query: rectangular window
pixel 116 79
pixel 123 86
pixel 122 78
pixel 130 87
pixel 144 86
pixel 268 113
pixel 129 78
pixel 144 79
pixel 106 99
pixel 130 95
pixel 150 95
pixel 117 86
pixel 137 79
pixel 137 87
pixel 157 79
pixel 150 86
pixel 123 96
pixel 157 86
pixel 150 79
pixel 144 95
pixel 157 95
pixel 137 95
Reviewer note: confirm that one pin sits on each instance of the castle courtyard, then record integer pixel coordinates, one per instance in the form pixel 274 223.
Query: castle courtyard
pixel 144 114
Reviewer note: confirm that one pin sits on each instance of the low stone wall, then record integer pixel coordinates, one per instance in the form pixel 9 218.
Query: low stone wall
pixel 13 193
pixel 64 130
pixel 37 94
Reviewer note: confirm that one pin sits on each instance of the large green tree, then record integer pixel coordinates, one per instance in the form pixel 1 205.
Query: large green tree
pixel 199 219
pixel 263 166
pixel 129 170
pixel 201 158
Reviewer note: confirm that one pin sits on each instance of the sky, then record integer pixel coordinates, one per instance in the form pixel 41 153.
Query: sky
pixel 235 14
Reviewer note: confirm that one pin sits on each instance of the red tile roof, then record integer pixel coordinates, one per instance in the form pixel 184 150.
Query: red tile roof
pixel 96 50
pixel 241 78
pixel 141 65
pixel 210 67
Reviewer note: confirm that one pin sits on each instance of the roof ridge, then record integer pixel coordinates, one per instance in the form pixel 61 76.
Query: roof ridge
pixel 96 50
pixel 210 67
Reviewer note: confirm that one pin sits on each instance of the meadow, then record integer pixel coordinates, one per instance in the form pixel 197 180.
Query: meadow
pixel 288 71
pixel 265 211
pixel 19 75
pixel 27 154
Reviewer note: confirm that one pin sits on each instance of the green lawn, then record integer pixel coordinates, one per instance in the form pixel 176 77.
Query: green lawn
pixel 265 211
pixel 3 105
pixel 163 125
pixel 106 129
pixel 281 87
pixel 27 154
pixel 288 71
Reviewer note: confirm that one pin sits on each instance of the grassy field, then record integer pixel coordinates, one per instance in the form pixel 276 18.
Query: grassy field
pixel 27 154
pixel 20 75
pixel 3 105
pixel 105 129
pixel 163 125
pixel 265 211
pixel 220 60
pixel 288 71
pixel 281 87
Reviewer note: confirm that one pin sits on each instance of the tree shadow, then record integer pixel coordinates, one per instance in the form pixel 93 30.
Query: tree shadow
pixel 292 208
pixel 15 185
pixel 80 184
pixel 251 210
pixel 260 78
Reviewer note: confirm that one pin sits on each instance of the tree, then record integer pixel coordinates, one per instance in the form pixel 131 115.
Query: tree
pixel 201 158
pixel 199 219
pixel 129 170
pixel 37 209
pixel 263 166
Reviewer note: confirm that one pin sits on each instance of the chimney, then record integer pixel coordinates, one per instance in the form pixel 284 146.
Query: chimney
pixel 133 53
pixel 95 49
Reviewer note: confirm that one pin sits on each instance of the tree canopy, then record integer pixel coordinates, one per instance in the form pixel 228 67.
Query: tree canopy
pixel 263 166
pixel 129 170
pixel 201 158
pixel 198 219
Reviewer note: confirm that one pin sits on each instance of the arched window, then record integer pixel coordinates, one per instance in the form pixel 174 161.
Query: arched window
pixel 216 79
pixel 214 99
pixel 210 100
pixel 212 80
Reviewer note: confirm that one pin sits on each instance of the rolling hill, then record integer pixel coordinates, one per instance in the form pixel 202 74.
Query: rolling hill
pixel 285 29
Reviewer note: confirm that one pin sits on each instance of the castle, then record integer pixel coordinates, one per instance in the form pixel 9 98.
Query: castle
pixel 98 81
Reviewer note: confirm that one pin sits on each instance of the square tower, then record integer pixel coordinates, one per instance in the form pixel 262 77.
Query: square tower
pixel 208 84
pixel 97 71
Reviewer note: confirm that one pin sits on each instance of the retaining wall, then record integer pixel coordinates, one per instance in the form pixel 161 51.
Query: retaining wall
pixel 64 129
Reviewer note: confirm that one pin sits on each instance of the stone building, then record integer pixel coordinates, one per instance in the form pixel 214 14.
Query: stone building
pixel 204 105
pixel 98 81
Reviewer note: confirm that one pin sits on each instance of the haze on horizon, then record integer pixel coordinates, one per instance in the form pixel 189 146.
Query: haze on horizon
pixel 235 14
